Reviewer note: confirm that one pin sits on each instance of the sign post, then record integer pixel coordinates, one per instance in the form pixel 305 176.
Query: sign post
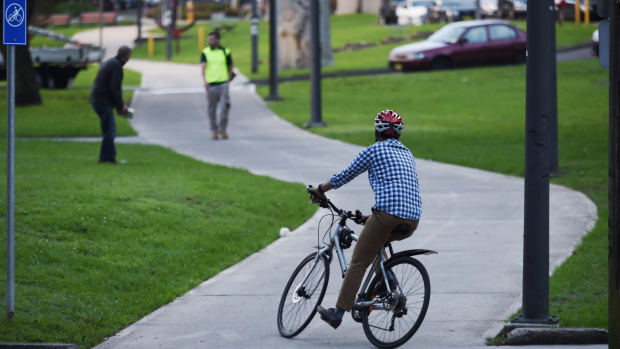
pixel 14 25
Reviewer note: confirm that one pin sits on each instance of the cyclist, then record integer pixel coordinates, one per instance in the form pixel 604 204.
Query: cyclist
pixel 392 174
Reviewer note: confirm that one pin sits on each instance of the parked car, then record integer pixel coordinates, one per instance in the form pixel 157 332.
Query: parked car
pixel 414 11
pixel 463 44
pixel 451 11
pixel 511 8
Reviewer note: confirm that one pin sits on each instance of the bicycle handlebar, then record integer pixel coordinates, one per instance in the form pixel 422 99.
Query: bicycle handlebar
pixel 354 216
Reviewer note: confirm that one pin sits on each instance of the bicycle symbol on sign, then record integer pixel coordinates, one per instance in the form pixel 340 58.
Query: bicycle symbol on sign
pixel 15 15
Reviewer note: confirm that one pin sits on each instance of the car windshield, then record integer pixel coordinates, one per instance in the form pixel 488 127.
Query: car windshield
pixel 425 3
pixel 458 3
pixel 447 34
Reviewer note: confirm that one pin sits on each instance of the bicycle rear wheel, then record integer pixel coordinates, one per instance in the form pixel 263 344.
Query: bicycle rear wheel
pixel 298 304
pixel 393 328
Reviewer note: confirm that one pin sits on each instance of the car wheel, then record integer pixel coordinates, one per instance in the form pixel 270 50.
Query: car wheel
pixel 441 63
pixel 519 58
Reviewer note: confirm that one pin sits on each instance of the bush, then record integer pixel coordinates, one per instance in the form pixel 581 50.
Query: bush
pixel 74 9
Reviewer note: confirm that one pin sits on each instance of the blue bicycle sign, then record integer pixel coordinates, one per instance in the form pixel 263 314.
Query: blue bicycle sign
pixel 15 15
pixel 15 22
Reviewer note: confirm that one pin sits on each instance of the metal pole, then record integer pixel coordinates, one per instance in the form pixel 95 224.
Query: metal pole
pixel 614 176
pixel 10 180
pixel 101 24
pixel 553 100
pixel 254 33
pixel 169 27
pixel 273 52
pixel 478 10
pixel 139 19
pixel 537 111
pixel 315 66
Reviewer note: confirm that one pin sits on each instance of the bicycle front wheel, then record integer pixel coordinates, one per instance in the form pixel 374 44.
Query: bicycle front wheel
pixel 399 314
pixel 298 304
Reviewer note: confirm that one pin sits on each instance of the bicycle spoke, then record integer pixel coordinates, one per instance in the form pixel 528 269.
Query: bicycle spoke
pixel 298 303
pixel 413 285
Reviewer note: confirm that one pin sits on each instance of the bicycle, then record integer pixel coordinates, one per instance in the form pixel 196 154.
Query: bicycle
pixel 393 297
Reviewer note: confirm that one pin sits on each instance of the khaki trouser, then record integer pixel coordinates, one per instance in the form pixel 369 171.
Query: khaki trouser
pixel 218 95
pixel 376 233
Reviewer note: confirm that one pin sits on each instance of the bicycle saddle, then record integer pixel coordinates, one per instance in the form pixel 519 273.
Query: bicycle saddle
pixel 402 229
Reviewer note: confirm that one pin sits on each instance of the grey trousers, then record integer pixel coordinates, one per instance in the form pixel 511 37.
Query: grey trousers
pixel 218 96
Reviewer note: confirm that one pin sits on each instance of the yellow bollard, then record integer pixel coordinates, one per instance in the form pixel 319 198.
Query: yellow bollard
pixel 190 11
pixel 151 45
pixel 577 12
pixel 586 14
pixel 201 39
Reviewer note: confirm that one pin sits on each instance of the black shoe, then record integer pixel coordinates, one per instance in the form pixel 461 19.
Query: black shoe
pixel 328 316
pixel 109 161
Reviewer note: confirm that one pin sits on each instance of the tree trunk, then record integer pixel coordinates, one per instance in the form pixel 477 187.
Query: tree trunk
pixel 294 34
pixel 26 86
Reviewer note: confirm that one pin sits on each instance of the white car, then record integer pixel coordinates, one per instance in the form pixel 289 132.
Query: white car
pixel 413 12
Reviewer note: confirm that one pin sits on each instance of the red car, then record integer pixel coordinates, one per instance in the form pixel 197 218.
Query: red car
pixel 463 44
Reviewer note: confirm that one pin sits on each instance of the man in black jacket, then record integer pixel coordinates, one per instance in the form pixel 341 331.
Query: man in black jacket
pixel 106 95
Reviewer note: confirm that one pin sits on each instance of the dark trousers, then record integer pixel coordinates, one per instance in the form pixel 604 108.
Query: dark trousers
pixel 108 128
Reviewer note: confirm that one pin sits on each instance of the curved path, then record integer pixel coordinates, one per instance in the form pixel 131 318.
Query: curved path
pixel 473 218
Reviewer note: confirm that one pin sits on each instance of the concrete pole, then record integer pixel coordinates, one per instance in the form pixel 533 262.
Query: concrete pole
pixel 169 7
pixel 101 26
pixel 274 95
pixel 139 9
pixel 316 113
pixel 10 184
pixel 537 111
pixel 553 100
pixel 614 176
pixel 254 33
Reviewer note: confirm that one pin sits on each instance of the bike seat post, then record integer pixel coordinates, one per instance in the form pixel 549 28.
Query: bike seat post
pixel 382 260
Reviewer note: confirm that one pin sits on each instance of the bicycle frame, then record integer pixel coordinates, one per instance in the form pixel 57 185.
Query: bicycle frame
pixel 334 242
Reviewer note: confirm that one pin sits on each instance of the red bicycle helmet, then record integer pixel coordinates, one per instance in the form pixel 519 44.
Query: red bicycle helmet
pixel 388 122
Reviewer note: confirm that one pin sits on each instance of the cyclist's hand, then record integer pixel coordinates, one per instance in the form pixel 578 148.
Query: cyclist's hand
pixel 316 197
pixel 363 219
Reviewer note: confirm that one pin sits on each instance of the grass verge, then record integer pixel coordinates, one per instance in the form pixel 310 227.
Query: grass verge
pixel 475 118
pixel 67 113
pixel 100 246
pixel 345 29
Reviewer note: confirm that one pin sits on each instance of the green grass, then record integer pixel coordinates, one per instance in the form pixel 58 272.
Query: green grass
pixel 100 246
pixel 67 113
pixel 345 29
pixel 475 118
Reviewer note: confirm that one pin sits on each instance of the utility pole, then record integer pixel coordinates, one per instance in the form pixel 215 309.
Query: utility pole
pixel 169 7
pixel 535 301
pixel 273 52
pixel 614 173
pixel 139 9
pixel 254 33
pixel 553 100
pixel 316 113
pixel 101 27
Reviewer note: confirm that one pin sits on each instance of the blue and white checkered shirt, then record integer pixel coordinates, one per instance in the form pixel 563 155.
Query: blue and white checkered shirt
pixel 392 175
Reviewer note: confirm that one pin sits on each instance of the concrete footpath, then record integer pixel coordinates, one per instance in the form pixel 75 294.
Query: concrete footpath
pixel 473 218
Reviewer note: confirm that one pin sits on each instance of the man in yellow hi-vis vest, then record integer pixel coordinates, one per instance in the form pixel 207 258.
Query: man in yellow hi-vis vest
pixel 217 71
